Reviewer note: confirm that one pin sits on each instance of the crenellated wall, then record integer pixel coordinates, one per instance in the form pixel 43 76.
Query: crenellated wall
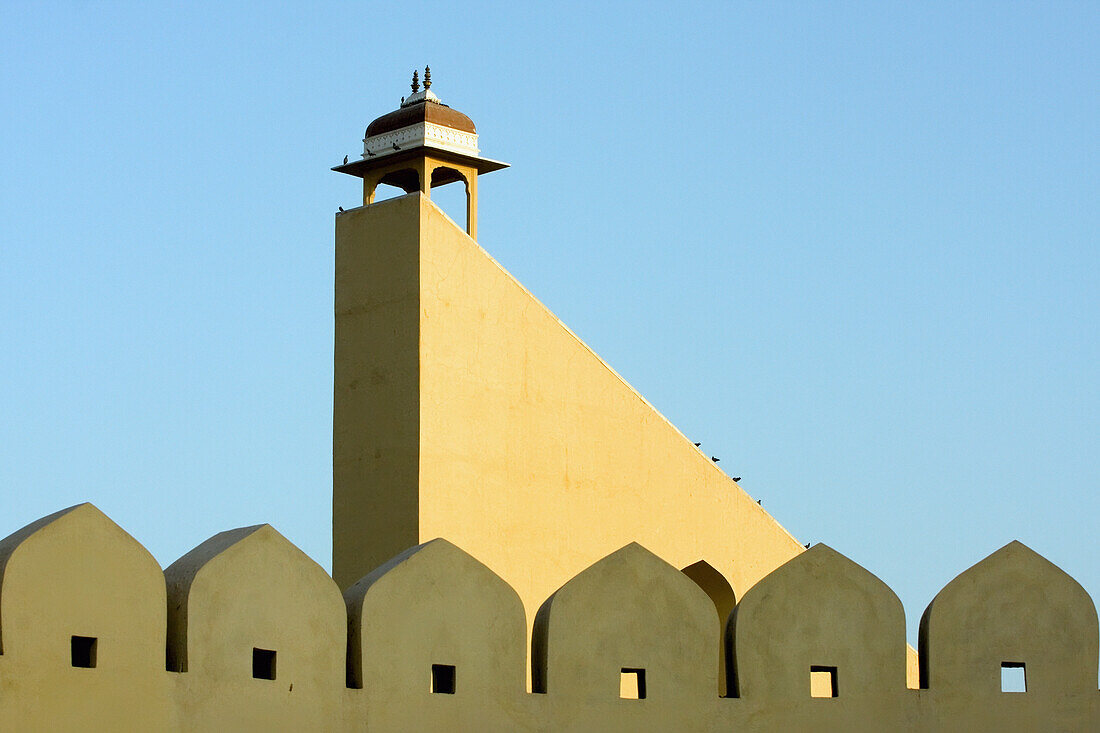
pixel 247 633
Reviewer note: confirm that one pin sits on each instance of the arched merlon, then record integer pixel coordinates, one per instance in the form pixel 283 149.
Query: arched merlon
pixel 1013 607
pixel 436 639
pixel 77 573
pixel 250 589
pixel 822 610
pixel 629 611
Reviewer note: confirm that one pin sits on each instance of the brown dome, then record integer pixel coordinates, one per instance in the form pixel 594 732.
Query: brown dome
pixel 424 111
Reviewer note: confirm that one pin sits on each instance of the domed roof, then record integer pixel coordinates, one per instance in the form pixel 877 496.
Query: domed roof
pixel 421 126
pixel 422 110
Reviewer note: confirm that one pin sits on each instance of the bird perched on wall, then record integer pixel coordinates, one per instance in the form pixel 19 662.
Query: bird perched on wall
pixel 807 545
pixel 760 502
pixel 698 444
pixel 736 478
pixel 715 459
pixel 345 160
pixel 396 146
pixel 341 208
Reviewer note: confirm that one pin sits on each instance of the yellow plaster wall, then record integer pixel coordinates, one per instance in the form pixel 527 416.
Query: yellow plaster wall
pixel 538 459
pixel 530 451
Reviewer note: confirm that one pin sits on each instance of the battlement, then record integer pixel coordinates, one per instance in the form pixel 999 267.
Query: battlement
pixel 246 632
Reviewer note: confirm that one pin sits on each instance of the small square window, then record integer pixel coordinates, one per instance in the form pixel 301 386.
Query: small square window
pixel 443 679
pixel 84 651
pixel 823 681
pixel 1013 677
pixel 263 664
pixel 632 683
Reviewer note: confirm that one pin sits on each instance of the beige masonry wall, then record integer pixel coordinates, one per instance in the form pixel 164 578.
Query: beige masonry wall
pixel 433 640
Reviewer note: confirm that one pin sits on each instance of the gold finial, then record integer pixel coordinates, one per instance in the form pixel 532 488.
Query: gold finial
pixel 416 81
pixel 427 78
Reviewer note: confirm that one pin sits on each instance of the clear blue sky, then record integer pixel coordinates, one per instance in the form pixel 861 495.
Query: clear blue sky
pixel 852 248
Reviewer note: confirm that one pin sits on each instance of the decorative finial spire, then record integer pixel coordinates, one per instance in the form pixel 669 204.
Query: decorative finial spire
pixel 416 81
pixel 427 78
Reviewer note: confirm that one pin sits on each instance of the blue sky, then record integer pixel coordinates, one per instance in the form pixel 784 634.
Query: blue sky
pixel 850 247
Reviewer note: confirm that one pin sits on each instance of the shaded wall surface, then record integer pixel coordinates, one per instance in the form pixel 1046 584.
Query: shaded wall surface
pixel 247 633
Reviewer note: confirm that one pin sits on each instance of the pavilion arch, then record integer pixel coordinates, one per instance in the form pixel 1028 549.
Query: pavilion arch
pixel 405 177
pixel 820 611
pixel 441 175
pixel 629 611
pixel 721 594
pixel 1014 607
pixel 444 174
pixel 433 632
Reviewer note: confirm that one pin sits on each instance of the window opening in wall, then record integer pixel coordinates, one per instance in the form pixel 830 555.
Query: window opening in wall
pixel 84 651
pixel 263 664
pixel 1013 677
pixel 443 679
pixel 823 681
pixel 632 683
